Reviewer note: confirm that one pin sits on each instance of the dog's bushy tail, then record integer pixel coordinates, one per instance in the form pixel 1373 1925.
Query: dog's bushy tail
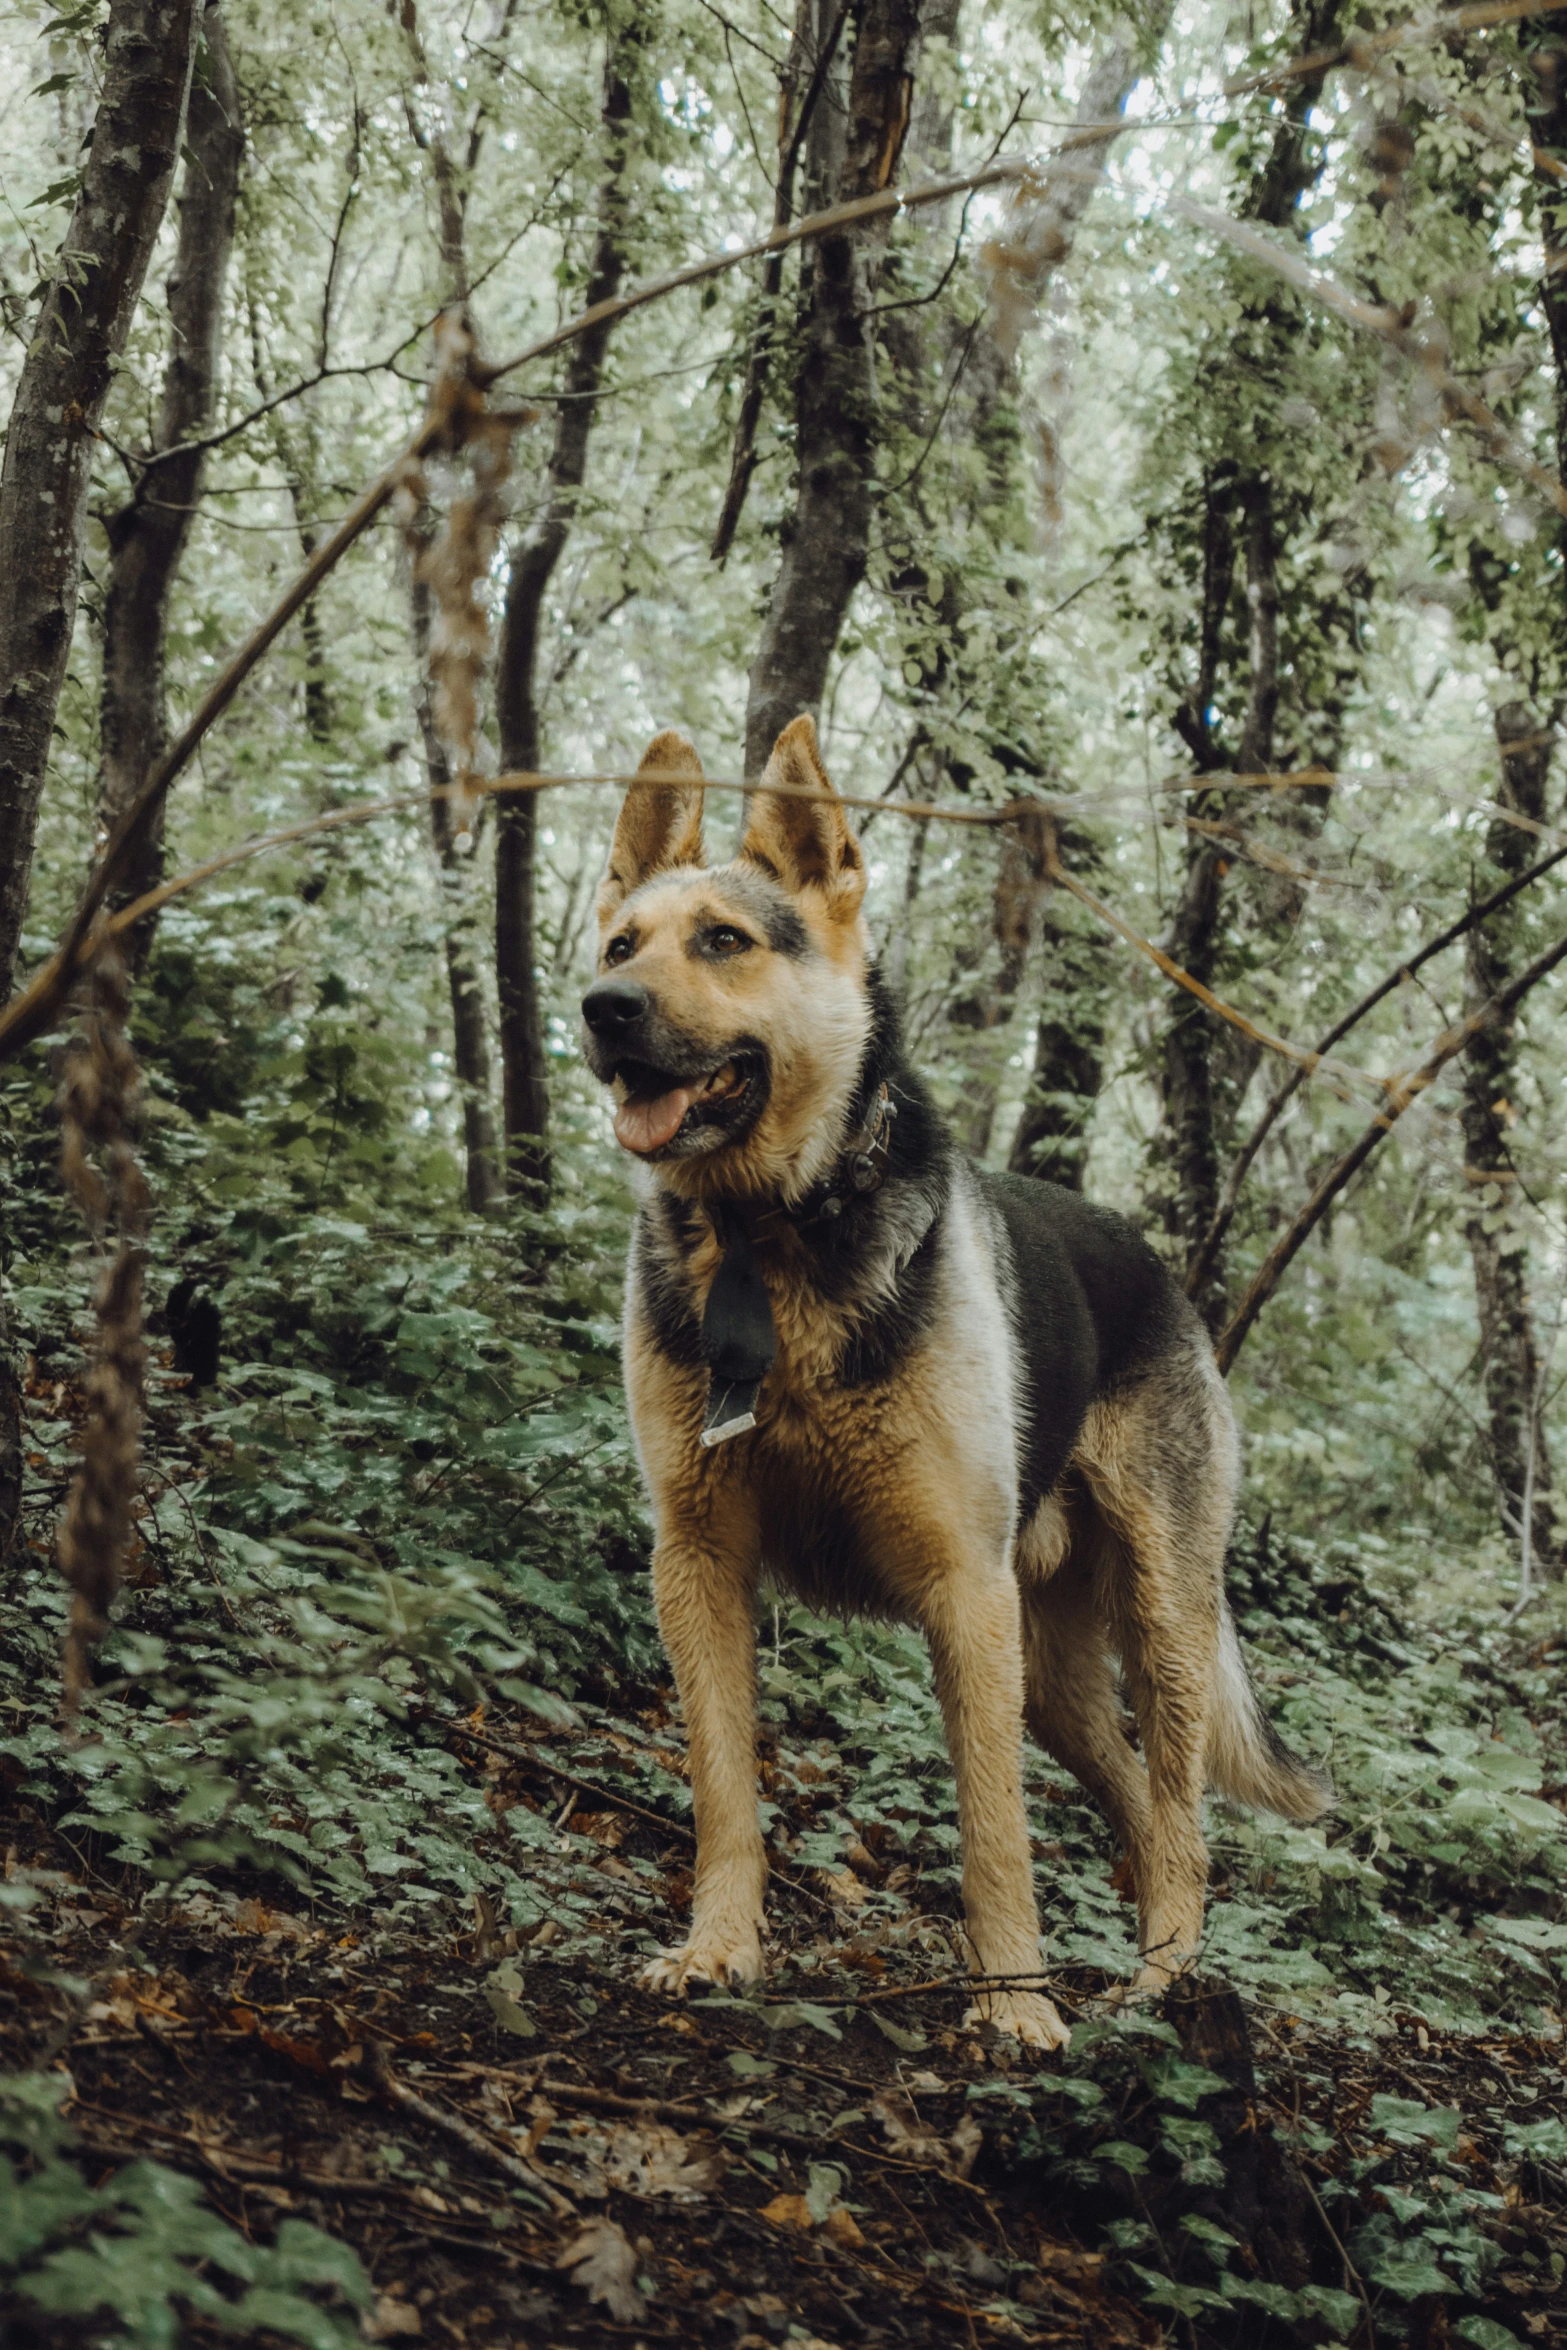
pixel 1247 1759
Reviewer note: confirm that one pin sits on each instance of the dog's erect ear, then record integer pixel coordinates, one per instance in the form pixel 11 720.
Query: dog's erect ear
pixel 804 843
pixel 660 824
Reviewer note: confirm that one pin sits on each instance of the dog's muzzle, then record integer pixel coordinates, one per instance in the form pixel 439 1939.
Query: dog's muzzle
pixel 678 1099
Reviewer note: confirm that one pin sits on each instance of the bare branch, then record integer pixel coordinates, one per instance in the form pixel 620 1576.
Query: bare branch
pixel 1279 1101
pixel 1401 1092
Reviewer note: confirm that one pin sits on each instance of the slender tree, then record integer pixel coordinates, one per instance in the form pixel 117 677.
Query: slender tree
pixel 454 859
pixel 80 332
pixel 1069 1037
pixel 149 533
pixel 1238 539
pixel 91 294
pixel 1494 1226
pixel 525 1086
pixel 1075 968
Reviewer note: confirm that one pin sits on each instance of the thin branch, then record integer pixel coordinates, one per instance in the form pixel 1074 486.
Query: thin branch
pixel 1401 1092
pixel 918 811
pixel 1404 36
pixel 258 414
pixel 339 228
pixel 1213 1239
pixel 1309 1062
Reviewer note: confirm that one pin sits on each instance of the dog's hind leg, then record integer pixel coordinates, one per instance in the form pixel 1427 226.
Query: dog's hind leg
pixel 1160 1462
pixel 704 1587
pixel 1071 1703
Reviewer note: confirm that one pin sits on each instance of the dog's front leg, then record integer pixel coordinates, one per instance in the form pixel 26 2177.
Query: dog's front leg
pixel 705 1591
pixel 972 1619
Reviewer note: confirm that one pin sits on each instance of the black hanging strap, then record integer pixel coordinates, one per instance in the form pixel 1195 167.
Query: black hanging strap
pixel 738 1338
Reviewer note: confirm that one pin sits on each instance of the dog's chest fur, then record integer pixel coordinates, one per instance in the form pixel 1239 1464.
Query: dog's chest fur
pixel 894 1369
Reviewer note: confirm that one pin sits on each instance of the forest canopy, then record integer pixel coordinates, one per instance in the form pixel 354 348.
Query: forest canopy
pixel 412 411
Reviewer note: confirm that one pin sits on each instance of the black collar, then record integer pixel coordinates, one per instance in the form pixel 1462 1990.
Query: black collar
pixel 861 1167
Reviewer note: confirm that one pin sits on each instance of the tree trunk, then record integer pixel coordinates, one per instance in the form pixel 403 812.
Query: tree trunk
pixel 470 1037
pixel 812 47
pixel 65 380
pixel 1190 1149
pixel 10 1434
pixel 524 1081
pixel 1076 972
pixel 1498 1246
pixel 826 540
pixel 318 689
pixel 1202 1079
pixel 1014 907
pixel 1036 248
pixel 147 536
pixel 1548 130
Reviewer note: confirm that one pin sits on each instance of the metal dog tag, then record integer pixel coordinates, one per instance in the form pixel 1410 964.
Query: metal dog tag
pixel 731 1410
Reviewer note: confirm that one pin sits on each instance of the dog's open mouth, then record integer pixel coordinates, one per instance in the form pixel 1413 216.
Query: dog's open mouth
pixel 660 1109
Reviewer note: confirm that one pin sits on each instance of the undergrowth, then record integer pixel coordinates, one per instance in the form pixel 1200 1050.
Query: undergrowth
pixel 409 1500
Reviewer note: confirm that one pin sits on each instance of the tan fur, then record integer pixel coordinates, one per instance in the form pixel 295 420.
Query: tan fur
pixel 897 1498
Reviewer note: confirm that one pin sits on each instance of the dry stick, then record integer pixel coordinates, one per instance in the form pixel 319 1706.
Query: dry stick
pixel 1310 1062
pixel 1351 2272
pixel 919 810
pixel 499 2158
pixel 29 1014
pixel 550 1770
pixel 1212 1240
pixel 1389 325
pixel 1405 36
pixel 625 1803
pixel 1376 778
pixel 691 2116
pixel 1401 1092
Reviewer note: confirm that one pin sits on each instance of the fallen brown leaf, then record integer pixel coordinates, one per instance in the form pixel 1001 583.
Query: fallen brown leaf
pixel 604 2264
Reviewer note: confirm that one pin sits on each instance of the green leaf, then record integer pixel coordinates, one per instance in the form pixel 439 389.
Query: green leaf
pixel 1406 2123
pixel 910 2041
pixel 1486 2334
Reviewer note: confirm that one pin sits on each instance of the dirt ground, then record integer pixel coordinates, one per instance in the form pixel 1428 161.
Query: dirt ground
pixel 528 2149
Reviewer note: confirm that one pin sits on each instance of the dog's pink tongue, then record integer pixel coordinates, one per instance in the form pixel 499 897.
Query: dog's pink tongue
pixel 647 1125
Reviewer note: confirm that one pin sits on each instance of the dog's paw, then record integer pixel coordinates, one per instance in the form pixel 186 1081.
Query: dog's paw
pixel 1152 1979
pixel 706 1958
pixel 1027 2015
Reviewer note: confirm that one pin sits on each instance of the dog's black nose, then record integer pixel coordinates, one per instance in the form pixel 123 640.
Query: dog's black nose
pixel 611 1005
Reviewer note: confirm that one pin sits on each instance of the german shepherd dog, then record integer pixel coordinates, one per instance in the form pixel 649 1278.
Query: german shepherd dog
pixel 895 1383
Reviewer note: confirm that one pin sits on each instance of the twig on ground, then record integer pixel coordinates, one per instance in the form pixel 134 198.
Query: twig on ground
pixel 641 1811
pixel 692 2117
pixel 511 2166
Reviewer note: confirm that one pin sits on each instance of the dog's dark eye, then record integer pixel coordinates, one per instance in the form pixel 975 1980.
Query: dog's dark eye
pixel 725 940
pixel 619 949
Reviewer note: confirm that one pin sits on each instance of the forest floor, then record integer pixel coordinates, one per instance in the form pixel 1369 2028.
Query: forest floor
pixel 525 2148
pixel 319 2005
